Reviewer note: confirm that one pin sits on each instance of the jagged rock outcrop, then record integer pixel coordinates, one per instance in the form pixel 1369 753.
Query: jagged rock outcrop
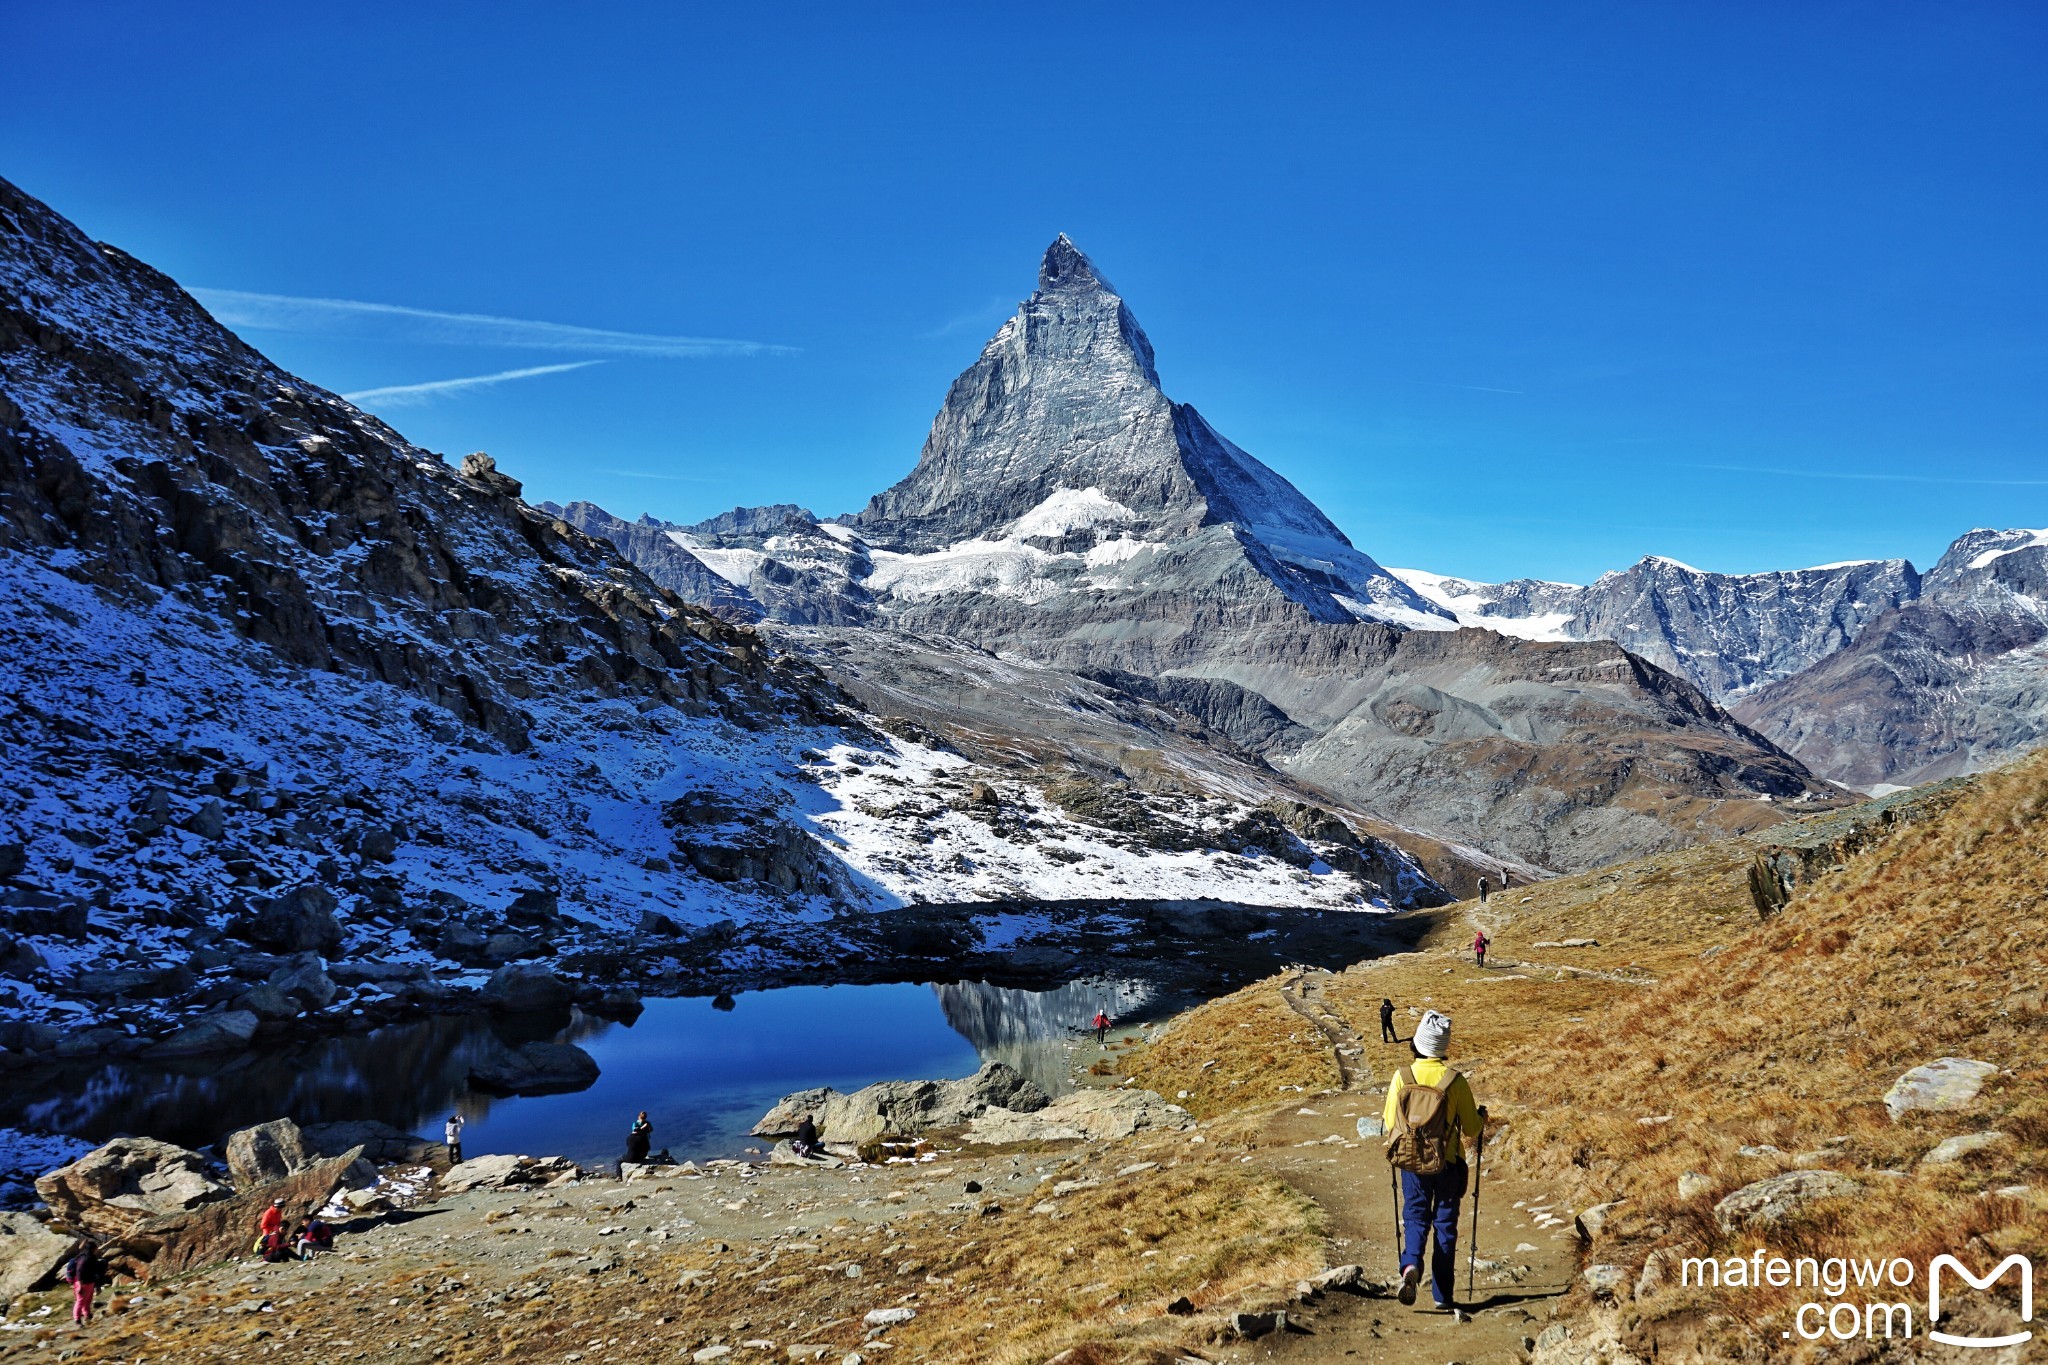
pixel 648 544
pixel 903 1107
pixel 121 1185
pixel 1726 633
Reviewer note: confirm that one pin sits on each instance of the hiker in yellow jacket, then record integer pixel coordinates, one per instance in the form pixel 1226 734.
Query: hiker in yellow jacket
pixel 1430 1158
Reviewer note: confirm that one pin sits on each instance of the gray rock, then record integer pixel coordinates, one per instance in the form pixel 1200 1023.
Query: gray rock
pixel 1085 1115
pixel 888 1317
pixel 506 1172
pixel 1767 1203
pixel 535 1069
pixel 306 982
pixel 268 1002
pixel 1940 1086
pixel 1606 1281
pixel 116 1187
pixel 1252 1326
pixel 30 1254
pixel 782 1154
pixel 511 947
pixel 225 1031
pixel 1952 1151
pixel 1593 1221
pixel 524 988
pixel 267 1152
pixel 1692 1184
pixel 299 921
pixel 210 821
pixel 905 1106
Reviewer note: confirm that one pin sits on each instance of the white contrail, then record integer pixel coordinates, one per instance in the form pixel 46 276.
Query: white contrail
pixel 390 321
pixel 412 395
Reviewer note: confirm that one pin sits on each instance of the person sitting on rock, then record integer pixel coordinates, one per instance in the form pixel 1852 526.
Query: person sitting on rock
pixel 274 1248
pixel 320 1233
pixel 639 1138
pixel 805 1143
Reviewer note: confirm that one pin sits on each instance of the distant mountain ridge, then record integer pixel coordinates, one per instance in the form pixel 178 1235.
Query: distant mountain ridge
pixel 1871 672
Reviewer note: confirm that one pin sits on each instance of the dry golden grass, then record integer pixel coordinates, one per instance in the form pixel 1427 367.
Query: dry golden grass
pixel 1927 945
pixel 1239 1051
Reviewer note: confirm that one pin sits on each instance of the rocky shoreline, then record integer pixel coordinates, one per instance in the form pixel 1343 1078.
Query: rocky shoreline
pixel 223 1000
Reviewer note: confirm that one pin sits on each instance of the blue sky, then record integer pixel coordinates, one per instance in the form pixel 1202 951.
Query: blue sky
pixel 1508 289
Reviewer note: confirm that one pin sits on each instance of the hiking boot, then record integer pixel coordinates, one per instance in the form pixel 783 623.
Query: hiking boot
pixel 1410 1277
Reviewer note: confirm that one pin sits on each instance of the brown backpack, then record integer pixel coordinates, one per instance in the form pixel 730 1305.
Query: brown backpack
pixel 1422 1120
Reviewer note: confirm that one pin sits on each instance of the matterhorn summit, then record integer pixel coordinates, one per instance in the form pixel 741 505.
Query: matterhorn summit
pixel 1059 476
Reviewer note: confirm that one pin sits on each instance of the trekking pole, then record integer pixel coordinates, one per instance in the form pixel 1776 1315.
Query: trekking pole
pixel 1472 1247
pixel 1394 1175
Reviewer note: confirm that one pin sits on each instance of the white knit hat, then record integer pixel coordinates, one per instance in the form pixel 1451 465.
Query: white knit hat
pixel 1433 1035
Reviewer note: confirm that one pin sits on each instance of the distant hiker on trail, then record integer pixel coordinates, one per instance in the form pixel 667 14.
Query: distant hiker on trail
pixel 454 1136
pixel 85 1272
pixel 1480 943
pixel 1482 890
pixel 272 1220
pixel 1387 1034
pixel 805 1143
pixel 1100 1023
pixel 1429 1109
pixel 638 1139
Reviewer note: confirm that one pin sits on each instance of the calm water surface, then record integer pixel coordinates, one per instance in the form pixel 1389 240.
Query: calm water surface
pixel 703 1074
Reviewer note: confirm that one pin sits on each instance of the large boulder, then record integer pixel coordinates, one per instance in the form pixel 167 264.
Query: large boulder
pixel 1767 1203
pixel 116 1187
pixel 789 1111
pixel 1948 1084
pixel 299 921
pixel 30 1254
pixel 524 988
pixel 266 1153
pixel 223 1031
pixel 907 1106
pixel 176 1242
pixel 1083 1115
pixel 305 981
pixel 535 1069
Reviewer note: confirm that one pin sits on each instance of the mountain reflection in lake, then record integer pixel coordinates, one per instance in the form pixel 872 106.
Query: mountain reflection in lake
pixel 704 1074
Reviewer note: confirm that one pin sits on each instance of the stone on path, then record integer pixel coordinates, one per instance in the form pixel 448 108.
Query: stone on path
pixel 1961 1148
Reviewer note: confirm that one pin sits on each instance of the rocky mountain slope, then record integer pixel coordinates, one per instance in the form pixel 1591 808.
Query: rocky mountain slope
pixel 1869 672
pixel 1066 512
pixel 1727 633
pixel 1954 681
pixel 282 689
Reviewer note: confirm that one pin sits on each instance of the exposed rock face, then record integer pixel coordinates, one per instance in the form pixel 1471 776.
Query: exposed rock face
pixel 1766 1203
pixel 506 1172
pixel 1951 683
pixel 523 989
pixel 903 1106
pixel 121 1185
pixel 1083 1115
pixel 1949 1083
pixel 1726 633
pixel 30 1254
pixel 648 544
pixel 175 1242
pixel 266 1152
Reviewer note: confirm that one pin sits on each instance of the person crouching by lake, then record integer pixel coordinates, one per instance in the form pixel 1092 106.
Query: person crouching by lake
pixel 639 1138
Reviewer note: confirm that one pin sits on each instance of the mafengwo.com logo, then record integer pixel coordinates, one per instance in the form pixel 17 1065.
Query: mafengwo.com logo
pixel 1872 1300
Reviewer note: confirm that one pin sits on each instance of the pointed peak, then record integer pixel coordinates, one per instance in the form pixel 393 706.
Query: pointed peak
pixel 1066 266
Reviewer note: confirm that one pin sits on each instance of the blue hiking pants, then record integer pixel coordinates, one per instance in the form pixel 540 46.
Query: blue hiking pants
pixel 1430 1203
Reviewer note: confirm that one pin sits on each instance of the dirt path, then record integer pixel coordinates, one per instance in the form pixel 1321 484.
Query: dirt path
pixel 1526 1255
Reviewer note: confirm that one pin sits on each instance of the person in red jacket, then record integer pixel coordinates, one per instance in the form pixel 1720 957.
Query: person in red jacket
pixel 1480 943
pixel 272 1220
pixel 1100 1023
